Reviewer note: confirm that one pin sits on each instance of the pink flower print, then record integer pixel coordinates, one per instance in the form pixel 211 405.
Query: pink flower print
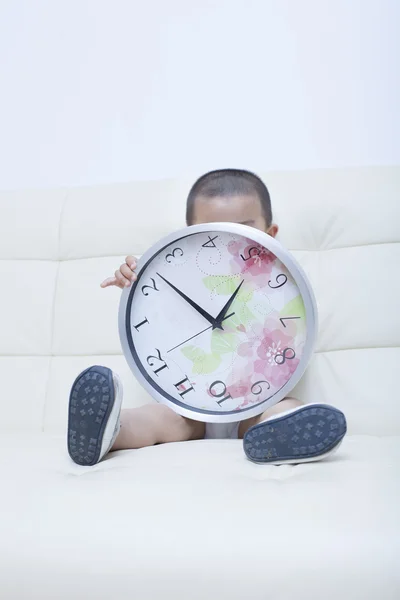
pixel 257 260
pixel 246 388
pixel 234 247
pixel 245 348
pixel 271 337
pixel 236 390
pixel 261 263
pixel 240 381
pixel 254 336
pixel 242 389
pixel 276 362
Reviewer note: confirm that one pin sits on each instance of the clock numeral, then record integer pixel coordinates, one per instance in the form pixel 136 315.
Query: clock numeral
pixel 140 324
pixel 150 287
pixel 257 387
pixel 287 319
pixel 253 252
pixel 182 383
pixel 210 243
pixel 274 287
pixel 288 354
pixel 214 392
pixel 176 252
pixel 151 362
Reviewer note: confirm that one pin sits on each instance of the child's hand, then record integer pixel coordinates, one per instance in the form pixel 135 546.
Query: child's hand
pixel 124 276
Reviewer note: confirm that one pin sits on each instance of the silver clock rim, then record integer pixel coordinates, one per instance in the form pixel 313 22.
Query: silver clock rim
pixel 302 283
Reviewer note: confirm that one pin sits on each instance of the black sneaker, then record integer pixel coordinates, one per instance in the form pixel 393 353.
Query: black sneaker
pixel 303 434
pixel 93 415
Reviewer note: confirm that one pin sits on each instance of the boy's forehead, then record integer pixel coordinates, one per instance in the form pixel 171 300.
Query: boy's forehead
pixel 231 209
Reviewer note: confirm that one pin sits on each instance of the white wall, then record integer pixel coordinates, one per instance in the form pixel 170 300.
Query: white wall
pixel 108 90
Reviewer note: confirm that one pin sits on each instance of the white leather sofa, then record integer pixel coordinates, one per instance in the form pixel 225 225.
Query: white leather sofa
pixel 197 521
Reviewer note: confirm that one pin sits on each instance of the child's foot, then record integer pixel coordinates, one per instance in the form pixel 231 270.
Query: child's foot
pixel 93 415
pixel 302 434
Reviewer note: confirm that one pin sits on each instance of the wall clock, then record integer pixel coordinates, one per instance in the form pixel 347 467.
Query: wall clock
pixel 220 323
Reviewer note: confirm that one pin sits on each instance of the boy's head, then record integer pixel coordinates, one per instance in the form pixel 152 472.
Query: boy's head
pixel 231 195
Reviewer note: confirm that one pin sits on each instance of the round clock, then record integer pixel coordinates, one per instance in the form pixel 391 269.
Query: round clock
pixel 220 323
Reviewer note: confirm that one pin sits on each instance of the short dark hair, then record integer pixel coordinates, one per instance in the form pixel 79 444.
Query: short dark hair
pixel 229 182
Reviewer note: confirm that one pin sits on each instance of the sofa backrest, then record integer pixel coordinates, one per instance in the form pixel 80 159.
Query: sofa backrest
pixel 56 246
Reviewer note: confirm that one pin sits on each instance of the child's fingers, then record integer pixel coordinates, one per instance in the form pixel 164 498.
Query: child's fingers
pixel 121 280
pixel 109 281
pixel 131 262
pixel 124 276
pixel 127 272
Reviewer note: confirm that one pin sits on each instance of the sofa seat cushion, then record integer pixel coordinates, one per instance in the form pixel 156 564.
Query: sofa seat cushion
pixel 197 520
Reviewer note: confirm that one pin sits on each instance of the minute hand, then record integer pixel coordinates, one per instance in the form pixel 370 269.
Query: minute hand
pixel 200 310
pixel 220 317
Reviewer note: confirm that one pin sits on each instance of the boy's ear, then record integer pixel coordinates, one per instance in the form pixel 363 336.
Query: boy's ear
pixel 273 230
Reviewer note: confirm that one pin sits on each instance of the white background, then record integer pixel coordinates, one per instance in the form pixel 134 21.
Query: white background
pixel 99 91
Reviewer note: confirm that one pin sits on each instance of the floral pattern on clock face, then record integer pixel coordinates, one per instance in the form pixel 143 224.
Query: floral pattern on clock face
pixel 217 323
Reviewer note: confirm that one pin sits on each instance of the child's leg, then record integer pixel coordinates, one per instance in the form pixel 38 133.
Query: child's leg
pixel 96 423
pixel 155 424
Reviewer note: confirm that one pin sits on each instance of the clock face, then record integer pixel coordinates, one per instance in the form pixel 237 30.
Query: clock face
pixel 217 325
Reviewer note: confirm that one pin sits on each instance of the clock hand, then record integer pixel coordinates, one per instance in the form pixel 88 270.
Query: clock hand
pixel 221 315
pixel 200 310
pixel 196 334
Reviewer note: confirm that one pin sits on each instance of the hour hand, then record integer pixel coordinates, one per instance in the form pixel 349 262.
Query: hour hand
pixel 221 315
pixel 200 310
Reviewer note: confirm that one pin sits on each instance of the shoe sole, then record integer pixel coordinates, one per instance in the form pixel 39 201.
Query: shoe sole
pixel 91 401
pixel 308 434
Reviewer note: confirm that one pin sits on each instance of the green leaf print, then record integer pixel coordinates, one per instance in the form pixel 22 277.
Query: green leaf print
pixel 209 364
pixel 294 308
pixel 222 342
pixel 223 285
pixel 245 315
pixel 235 320
pixel 192 353
pixel 203 363
pixel 244 295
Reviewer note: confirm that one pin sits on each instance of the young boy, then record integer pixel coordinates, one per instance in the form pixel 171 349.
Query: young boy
pixel 291 432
